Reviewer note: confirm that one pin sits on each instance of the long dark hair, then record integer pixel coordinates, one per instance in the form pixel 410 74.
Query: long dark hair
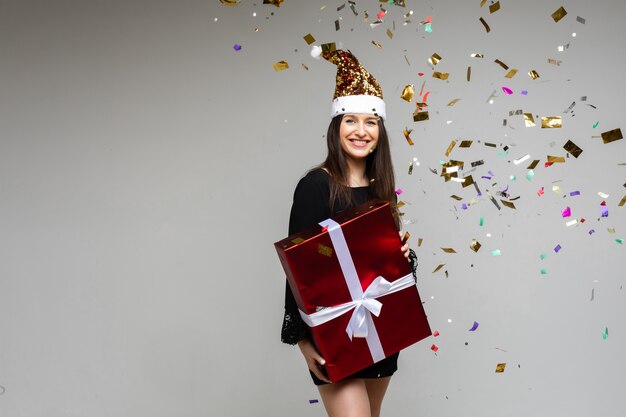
pixel 378 168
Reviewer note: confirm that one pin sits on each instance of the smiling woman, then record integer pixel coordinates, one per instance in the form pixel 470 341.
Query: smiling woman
pixel 357 168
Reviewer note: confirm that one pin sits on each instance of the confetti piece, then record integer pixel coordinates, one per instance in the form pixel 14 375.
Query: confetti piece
pixel 574 193
pixel 313 401
pixel 407 132
pixel 522 159
pixel 530 174
pixel 508 204
pixel 551 122
pixel 420 116
pixel 309 39
pixel 572 149
pixel 434 59
pixel 237 47
pixel 571 223
pixel 596 124
pixel 543 256
pixel 376 44
pixel 399 191
pixel 559 14
pixel 543 271
pixel 533 74
pixel 481 222
pixel 619 240
pixel 474 326
pixel 605 211
pixel 556 62
pixel 230 2
pixel 524 92
pixel 276 3
pixel 281 65
pixel 438 268
pixel 494 7
pixel 591 231
pixel 500 368
pixel 453 102
pixel 566 213
pixel 611 136
pixel 389 34
pixel 580 20
pixel 324 250
pixel 622 201
pixel 593 290
pixel 529 120
pixel 540 192
pixel 441 75
pixel 407 93
pixel 469 73
pixel 410 166
pixel 434 348
pixel 436 333
pixel 428 28
pixel 511 73
pixel 557 248
pixel 448 250
pixel 487 28
pixel 507 90
pixel 381 14
pixel 495 252
pixel 605 333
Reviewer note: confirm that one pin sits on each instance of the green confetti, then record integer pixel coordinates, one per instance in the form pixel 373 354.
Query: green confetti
pixel 529 175
pixel 596 124
pixel 495 252
pixel 505 153
pixel 482 221
pixel 544 271
pixel 543 256
pixel 605 333
pixel 513 177
pixel 619 240
pixel 428 28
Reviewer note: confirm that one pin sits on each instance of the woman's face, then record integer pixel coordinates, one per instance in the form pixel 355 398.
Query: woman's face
pixel 358 135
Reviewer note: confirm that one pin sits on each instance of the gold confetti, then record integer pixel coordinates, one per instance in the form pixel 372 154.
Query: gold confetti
pixel 511 73
pixel 500 367
pixel 440 75
pixel 477 55
pixel 297 241
pixel 622 201
pixel 434 59
pixel 467 181
pixel 230 2
pixel 400 204
pixel 419 242
pixel 529 120
pixel 502 64
pixel 465 144
pixel 610 229
pixel 305 67
pixel 556 159
pixel 448 250
pixel 572 149
pixel 450 147
pixel 407 132
pixel 487 28
pixel 420 116
pixel 281 65
pixel 492 145
pixel 376 44
pixel 612 135
pixel 533 164
pixel 438 267
pixel 276 3
pixel 410 168
pixel 325 250
pixel 309 39
pixel 551 122
pixel 475 245
pixel 494 7
pixel 408 92
pixel 422 105
pixel 533 74
pixel 559 14
pixel 337 24
pixel 482 2
pixel 469 73
pixel 389 34
pixel 329 47
pixel 453 102
pixel 456 197
pixel 406 237
pixel 508 204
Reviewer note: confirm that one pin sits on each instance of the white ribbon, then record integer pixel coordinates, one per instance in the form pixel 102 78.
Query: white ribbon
pixel 364 304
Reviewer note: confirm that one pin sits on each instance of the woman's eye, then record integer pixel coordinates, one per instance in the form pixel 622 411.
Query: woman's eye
pixel 371 123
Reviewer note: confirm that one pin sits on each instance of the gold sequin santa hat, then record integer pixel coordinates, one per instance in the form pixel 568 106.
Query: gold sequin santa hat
pixel 356 90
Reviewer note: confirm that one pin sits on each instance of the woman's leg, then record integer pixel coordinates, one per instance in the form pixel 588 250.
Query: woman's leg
pixel 347 398
pixel 376 389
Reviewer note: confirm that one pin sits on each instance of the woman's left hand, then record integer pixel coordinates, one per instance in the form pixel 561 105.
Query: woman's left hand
pixel 404 248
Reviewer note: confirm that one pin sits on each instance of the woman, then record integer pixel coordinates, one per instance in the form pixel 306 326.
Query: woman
pixel 358 168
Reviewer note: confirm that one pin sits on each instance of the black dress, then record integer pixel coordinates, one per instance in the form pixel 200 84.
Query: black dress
pixel 311 206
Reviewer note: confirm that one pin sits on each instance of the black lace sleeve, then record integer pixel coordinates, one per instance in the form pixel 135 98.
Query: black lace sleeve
pixel 413 262
pixel 310 206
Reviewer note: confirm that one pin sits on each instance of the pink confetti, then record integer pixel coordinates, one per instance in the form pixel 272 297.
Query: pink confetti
pixel 381 14
pixel 540 192
pixel 436 333
pixel 421 74
pixel 434 348
pixel 507 90
pixel 399 191
pixel 567 212
pixel 429 19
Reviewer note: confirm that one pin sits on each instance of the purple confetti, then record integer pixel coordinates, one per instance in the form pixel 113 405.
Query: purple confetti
pixel 573 193
pixel 605 211
pixel 591 231
pixel 474 327
pixel 313 401
pixel 464 206
pixel 557 248
pixel 237 47
pixel 524 92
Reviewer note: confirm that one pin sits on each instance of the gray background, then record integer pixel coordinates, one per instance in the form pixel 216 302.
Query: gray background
pixel 146 168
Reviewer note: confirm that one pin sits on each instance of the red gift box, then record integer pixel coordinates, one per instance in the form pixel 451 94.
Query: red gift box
pixel 354 287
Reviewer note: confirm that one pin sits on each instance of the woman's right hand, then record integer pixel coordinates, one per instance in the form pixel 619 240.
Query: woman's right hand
pixel 313 359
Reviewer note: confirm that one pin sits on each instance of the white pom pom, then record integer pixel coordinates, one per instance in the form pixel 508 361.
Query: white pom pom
pixel 316 51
